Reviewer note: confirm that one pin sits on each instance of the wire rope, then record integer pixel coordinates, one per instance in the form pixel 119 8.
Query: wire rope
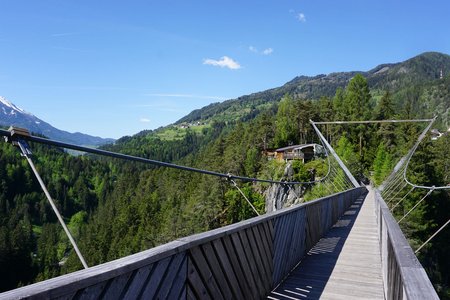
pixel 245 197
pixel 13 136
pixel 414 207
pixel 431 237
pixel 398 192
pixel 404 197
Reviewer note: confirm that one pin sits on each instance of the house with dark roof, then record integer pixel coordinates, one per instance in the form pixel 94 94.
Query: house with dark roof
pixel 304 152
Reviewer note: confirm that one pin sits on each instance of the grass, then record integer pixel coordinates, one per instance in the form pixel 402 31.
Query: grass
pixel 175 133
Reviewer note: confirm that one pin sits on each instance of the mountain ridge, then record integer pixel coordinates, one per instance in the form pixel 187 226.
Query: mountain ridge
pixel 420 69
pixel 12 115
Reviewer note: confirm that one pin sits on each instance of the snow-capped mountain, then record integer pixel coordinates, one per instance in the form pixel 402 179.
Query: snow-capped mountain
pixel 11 115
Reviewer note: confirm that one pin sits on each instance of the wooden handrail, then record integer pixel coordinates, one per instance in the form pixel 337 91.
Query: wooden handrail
pixel 403 275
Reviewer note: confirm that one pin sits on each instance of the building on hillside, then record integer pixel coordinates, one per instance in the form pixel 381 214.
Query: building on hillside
pixel 305 152
pixel 435 134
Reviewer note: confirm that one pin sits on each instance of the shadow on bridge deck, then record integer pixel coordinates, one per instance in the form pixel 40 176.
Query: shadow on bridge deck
pixel 345 264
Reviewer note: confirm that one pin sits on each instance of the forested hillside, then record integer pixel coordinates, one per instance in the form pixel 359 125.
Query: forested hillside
pixel 412 79
pixel 117 208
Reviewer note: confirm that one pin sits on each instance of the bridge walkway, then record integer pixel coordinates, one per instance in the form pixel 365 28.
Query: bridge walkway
pixel 345 264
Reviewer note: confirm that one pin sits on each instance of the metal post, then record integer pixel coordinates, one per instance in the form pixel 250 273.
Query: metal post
pixel 341 164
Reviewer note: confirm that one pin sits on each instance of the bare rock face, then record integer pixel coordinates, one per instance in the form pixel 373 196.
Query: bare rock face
pixel 279 196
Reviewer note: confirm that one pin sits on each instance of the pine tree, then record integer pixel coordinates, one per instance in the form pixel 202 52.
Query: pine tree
pixel 285 123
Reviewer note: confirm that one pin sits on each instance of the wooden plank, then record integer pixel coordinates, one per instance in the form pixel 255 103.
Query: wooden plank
pixel 196 285
pixel 335 210
pixel 245 266
pixel 156 278
pixel 67 297
pixel 137 282
pixel 175 278
pixel 182 295
pixel 297 248
pixel 279 239
pixel 313 226
pixel 190 295
pixel 250 258
pixel 264 250
pixel 116 286
pixel 217 271
pixel 245 282
pixel 92 292
pixel 228 269
pixel 205 272
pixel 327 215
pixel 269 232
pixel 343 264
pixel 258 258
pixel 287 260
pixel 180 282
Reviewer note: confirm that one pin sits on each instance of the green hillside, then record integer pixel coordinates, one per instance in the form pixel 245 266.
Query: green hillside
pixel 412 78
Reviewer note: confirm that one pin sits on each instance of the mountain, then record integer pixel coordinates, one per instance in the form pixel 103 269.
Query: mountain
pixel 417 71
pixel 11 115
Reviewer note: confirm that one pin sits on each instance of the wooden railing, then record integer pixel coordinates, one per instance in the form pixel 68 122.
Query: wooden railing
pixel 245 260
pixel 403 275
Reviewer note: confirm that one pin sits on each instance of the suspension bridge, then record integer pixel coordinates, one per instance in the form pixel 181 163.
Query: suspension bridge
pixel 346 245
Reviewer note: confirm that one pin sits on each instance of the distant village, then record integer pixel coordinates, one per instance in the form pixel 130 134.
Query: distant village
pixel 189 125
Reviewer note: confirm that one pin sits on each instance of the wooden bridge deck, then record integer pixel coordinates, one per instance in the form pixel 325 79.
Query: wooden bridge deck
pixel 345 264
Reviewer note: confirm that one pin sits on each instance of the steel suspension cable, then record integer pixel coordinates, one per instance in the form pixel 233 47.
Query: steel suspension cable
pixel 398 192
pixel 374 121
pixel 404 197
pixel 12 136
pixel 390 187
pixel 245 197
pixel 26 153
pixel 429 192
pixel 431 237
pixel 413 150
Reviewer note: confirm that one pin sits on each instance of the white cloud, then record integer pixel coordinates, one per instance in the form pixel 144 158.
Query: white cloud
pixel 301 17
pixel 144 120
pixel 223 62
pixel 267 51
pixel 263 52
pixel 253 49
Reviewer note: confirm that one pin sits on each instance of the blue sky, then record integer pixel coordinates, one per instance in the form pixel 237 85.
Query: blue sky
pixel 113 68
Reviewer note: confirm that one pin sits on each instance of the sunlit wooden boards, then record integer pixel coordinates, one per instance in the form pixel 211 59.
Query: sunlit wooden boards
pixel 344 264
